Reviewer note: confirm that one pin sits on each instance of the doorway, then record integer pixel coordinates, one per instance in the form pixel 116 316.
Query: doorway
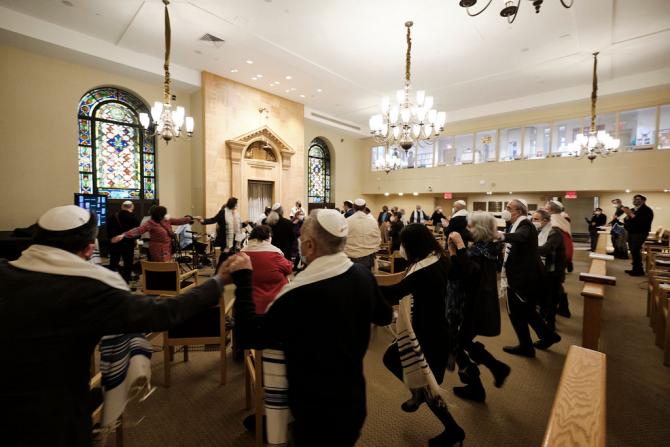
pixel 260 196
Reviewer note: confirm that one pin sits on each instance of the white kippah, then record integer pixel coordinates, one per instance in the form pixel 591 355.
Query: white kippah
pixel 64 218
pixel 276 206
pixel 460 202
pixel 333 222
pixel 127 203
pixel 557 203
pixel 359 202
pixel 523 202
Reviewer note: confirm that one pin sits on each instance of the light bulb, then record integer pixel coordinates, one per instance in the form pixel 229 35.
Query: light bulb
pixel 393 114
pixel 190 124
pixel 416 130
pixel 144 120
pixel 157 110
pixel 429 102
pixel 405 115
pixel 420 97
pixel 400 96
pixel 432 116
pixel 396 132
pixel 373 123
pixel 386 103
pixel 421 114
pixel 441 119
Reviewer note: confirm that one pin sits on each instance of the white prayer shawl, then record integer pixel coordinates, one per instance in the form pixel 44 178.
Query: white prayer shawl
pixel 543 235
pixel 274 363
pixel 416 372
pixel 460 213
pixel 126 359
pixel 560 222
pixel 255 245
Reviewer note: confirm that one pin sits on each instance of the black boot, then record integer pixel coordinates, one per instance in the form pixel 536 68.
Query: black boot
pixel 453 434
pixel 472 391
pixel 413 404
pixel 481 356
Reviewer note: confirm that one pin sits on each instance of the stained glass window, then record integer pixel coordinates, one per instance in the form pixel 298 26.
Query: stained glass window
pixel 318 166
pixel 116 155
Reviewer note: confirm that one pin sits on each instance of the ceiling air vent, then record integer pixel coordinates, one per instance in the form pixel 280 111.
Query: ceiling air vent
pixel 211 38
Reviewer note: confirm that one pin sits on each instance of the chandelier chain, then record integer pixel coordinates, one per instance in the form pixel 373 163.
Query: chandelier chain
pixel 594 93
pixel 408 62
pixel 166 64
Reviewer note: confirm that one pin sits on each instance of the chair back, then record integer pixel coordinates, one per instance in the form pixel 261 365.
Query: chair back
pixel 161 278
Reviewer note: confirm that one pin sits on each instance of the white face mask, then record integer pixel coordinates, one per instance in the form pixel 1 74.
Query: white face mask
pixel 538 225
pixel 402 252
pixel 303 258
pixel 506 215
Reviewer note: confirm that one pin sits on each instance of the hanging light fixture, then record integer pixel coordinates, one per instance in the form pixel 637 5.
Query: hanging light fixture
pixel 408 122
pixel 596 142
pixel 510 8
pixel 167 123
pixel 392 160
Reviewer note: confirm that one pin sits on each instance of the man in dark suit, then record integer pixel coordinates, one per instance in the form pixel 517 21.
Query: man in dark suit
pixel 117 224
pixel 596 221
pixel 523 272
pixel 418 216
pixel 638 225
pixel 459 221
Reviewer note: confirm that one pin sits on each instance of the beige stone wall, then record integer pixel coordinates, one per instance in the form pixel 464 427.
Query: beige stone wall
pixel 38 128
pixel 230 110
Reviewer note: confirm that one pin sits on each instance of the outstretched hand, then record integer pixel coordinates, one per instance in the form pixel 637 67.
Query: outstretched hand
pixel 116 239
pixel 239 261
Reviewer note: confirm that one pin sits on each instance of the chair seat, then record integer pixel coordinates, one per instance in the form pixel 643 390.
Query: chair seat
pixel 204 324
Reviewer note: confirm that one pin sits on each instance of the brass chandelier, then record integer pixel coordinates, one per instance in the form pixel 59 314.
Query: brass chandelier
pixel 168 123
pixel 410 121
pixel 510 8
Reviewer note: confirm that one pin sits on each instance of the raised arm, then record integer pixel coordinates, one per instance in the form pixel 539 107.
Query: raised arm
pixel 212 220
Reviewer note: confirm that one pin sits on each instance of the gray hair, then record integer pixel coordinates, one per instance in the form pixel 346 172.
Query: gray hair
pixel 326 243
pixel 483 226
pixel 272 218
pixel 522 206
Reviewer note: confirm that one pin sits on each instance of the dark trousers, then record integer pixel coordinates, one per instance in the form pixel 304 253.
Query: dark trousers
pixel 522 314
pixel 122 251
pixel 635 241
pixel 327 426
pixel 594 239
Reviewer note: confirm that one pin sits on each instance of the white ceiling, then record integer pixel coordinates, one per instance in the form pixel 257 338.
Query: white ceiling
pixel 354 50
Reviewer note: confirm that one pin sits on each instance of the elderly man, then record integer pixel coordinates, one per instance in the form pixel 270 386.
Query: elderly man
pixel 364 236
pixel 522 271
pixel 638 225
pixel 418 216
pixel 54 308
pixel 283 236
pixel 319 326
pixel 458 221
pixel 117 224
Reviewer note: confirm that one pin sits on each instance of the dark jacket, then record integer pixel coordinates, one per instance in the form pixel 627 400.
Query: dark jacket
pixel 553 252
pixel 641 223
pixel 48 344
pixel 459 224
pixel 220 220
pixel 523 266
pixel 477 266
pixel 349 212
pixel 414 216
pixel 384 216
pixel 121 222
pixel 437 218
pixel 283 236
pixel 597 220
pixel 428 287
pixel 394 234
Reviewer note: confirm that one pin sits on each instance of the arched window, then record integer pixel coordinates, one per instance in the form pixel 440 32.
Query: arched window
pixel 260 150
pixel 318 171
pixel 116 155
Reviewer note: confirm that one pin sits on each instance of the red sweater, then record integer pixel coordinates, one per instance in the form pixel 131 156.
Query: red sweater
pixel 269 276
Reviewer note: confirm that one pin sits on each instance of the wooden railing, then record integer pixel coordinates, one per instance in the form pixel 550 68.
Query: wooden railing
pixel 578 415
pixel 594 293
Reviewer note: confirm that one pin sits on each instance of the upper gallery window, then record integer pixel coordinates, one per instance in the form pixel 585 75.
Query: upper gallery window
pixel 664 128
pixel 637 128
pixel 510 144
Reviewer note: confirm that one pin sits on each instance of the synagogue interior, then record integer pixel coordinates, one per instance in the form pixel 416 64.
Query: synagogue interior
pixel 294 223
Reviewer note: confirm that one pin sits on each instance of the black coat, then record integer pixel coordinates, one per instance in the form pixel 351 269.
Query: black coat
pixel 477 266
pixel 121 222
pixel 523 266
pixel 49 327
pixel 428 287
pixel 597 220
pixel 415 215
pixel 459 224
pixel 283 236
pixel 394 234
pixel 553 252
pixel 220 220
pixel 641 223
pixel 437 218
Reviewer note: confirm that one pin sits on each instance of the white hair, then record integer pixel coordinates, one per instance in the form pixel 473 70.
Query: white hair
pixel 483 226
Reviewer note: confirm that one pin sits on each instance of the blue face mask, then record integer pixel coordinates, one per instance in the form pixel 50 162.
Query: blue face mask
pixel 303 258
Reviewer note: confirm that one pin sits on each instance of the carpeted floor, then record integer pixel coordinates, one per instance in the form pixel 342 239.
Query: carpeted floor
pixel 196 411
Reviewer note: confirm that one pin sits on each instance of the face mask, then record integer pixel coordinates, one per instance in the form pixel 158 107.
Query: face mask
pixel 402 252
pixel 506 215
pixel 598 213
pixel 538 225
pixel 453 211
pixel 303 258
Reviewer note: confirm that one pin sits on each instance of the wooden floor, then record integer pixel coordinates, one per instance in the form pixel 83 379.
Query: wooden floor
pixel 196 411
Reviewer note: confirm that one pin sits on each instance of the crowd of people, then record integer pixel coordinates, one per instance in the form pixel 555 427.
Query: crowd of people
pixel 313 325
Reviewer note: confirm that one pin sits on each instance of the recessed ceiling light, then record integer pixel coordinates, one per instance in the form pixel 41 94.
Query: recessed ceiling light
pixel 250 62
pixel 401 193
pixel 510 193
pixel 234 70
pixel 254 78
pixel 628 190
pixel 319 90
pixel 386 194
pixel 276 83
pixel 288 91
pixel 259 76
pixel 293 89
pixel 302 96
pixel 272 85
pixel 488 193
pixel 415 193
pixel 289 77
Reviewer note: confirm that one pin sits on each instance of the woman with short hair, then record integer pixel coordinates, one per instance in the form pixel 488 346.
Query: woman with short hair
pixel 420 354
pixel 477 268
pixel 160 232
pixel 271 268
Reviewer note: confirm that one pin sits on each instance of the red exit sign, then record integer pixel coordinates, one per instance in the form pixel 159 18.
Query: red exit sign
pixel 448 195
pixel 571 194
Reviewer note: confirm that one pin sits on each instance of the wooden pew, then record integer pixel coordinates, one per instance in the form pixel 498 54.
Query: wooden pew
pixel 594 293
pixel 578 415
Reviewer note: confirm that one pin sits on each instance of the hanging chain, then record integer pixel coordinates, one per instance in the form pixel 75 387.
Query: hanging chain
pixel 409 50
pixel 166 65
pixel 594 92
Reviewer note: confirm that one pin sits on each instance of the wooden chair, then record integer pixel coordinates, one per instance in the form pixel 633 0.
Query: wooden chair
pixel 165 279
pixel 203 329
pixel 253 386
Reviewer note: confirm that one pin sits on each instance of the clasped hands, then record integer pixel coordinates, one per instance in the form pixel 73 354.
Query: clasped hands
pixel 238 261
pixel 454 242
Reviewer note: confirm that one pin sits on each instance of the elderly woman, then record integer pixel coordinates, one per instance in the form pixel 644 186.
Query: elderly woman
pixel 271 268
pixel 228 225
pixel 420 354
pixel 477 267
pixel 160 232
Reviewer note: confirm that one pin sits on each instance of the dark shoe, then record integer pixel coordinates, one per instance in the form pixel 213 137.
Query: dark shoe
pixel 520 350
pixel 500 372
pixel 636 273
pixel 571 267
pixel 413 404
pixel 448 438
pixel 545 343
pixel 473 391
pixel 563 312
